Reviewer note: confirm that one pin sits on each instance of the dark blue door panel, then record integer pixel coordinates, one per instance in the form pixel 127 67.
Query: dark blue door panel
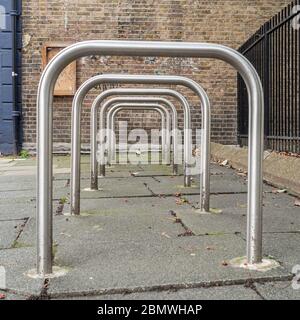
pixel 6 80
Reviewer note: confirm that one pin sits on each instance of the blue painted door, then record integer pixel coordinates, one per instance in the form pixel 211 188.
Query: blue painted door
pixel 6 78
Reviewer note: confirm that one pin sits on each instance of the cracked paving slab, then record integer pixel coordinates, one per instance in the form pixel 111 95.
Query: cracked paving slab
pixel 9 232
pixel 106 228
pixel 22 208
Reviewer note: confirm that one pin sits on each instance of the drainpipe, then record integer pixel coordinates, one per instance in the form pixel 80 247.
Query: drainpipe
pixel 15 109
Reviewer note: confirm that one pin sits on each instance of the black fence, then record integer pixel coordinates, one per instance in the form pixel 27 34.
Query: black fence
pixel 274 50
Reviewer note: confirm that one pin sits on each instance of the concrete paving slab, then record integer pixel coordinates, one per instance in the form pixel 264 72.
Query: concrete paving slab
pixel 17 208
pixel 16 168
pixel 212 224
pixel 17 262
pixel 115 265
pixel 219 184
pixel 128 206
pixel 278 291
pixel 31 194
pixel 122 187
pixel 284 247
pixel 216 293
pixel 14 183
pixel 22 208
pixel 9 231
pixel 234 212
pixel 108 227
pixel 239 201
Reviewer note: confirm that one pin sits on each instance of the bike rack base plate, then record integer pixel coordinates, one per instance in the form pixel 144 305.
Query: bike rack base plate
pixel 266 264
pixel 56 272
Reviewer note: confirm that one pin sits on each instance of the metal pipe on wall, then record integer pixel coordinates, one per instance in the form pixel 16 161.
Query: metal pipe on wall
pixel 15 109
pixel 145 48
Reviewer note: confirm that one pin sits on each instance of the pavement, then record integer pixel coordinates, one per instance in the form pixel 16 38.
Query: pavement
pixel 141 236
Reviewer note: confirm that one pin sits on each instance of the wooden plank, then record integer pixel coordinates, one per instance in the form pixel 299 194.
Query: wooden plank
pixel 66 82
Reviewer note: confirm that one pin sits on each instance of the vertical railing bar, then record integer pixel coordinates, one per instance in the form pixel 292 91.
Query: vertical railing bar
pixel 286 79
pixel 273 84
pixel 290 100
pixel 277 83
pixel 265 70
pixel 296 88
pixel 281 79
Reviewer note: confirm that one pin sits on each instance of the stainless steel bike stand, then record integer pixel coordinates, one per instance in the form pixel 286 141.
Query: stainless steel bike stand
pixel 146 48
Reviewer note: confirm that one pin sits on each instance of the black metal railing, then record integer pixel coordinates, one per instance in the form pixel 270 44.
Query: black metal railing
pixel 274 50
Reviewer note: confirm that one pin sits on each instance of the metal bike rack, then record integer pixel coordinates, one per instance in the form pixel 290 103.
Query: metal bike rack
pixel 111 150
pixel 171 135
pixel 153 92
pixel 112 101
pixel 142 79
pixel 145 48
pixel 165 115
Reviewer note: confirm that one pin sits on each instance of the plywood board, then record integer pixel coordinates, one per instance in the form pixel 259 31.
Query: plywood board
pixel 66 82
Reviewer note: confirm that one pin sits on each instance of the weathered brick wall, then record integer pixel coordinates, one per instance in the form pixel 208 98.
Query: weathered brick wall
pixel 227 22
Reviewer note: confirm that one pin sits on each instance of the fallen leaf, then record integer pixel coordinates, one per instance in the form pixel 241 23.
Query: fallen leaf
pixel 180 201
pixel 279 191
pixel 177 194
pixel 224 163
pixel 215 210
pixel 166 235
pixel 242 174
pixel 224 263
pixel 65 234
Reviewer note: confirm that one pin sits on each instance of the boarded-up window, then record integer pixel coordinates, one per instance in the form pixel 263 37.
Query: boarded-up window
pixel 66 82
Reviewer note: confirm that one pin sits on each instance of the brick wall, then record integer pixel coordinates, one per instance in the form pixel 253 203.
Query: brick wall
pixel 227 22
